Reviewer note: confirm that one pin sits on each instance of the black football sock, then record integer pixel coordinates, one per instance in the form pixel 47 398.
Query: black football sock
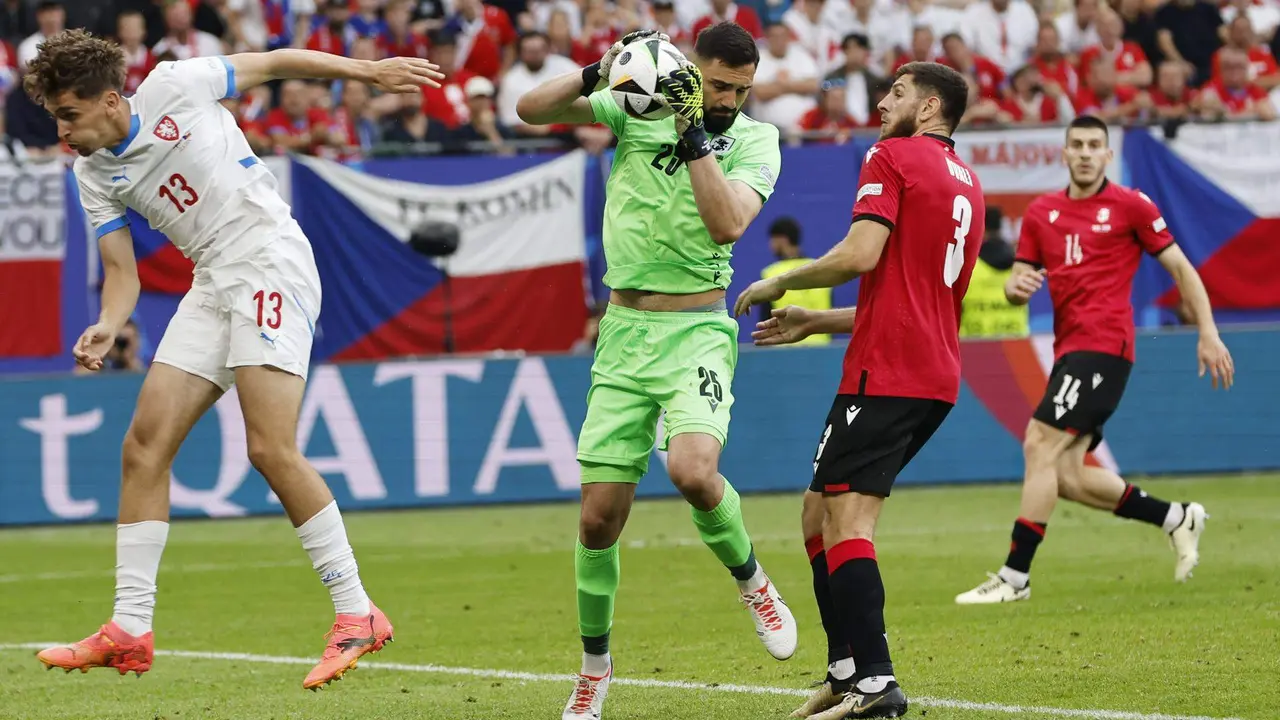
pixel 858 595
pixel 837 645
pixel 1136 504
pixel 1026 538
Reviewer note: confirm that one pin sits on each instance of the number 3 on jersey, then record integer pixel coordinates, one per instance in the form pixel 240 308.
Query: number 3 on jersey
pixel 962 213
pixel 178 192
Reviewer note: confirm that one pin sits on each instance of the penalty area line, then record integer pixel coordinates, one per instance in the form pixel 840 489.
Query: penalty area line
pixel 654 684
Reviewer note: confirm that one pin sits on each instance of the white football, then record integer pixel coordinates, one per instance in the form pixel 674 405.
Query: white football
pixel 633 78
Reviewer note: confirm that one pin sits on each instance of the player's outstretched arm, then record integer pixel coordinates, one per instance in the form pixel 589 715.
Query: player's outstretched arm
pixel 120 289
pixel 792 323
pixel 395 74
pixel 857 253
pixel 1211 352
pixel 1023 282
pixel 563 100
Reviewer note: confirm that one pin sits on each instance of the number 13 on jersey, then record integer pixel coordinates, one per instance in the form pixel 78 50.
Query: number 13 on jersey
pixel 962 213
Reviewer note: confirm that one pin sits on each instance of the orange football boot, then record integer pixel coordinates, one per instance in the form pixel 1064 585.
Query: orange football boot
pixel 109 647
pixel 352 637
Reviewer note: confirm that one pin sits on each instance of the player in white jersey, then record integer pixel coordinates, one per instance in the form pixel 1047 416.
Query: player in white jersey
pixel 176 156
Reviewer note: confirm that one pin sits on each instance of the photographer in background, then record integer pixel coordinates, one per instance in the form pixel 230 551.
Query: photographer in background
pixel 125 355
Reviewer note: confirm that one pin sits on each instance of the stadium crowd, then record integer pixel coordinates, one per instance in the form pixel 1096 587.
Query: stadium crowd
pixel 824 63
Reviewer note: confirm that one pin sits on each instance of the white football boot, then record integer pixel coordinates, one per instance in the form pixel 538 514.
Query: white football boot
pixel 1185 540
pixel 587 700
pixel 995 590
pixel 775 625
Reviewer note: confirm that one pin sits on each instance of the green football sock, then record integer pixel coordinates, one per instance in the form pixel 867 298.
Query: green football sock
pixel 597 572
pixel 722 530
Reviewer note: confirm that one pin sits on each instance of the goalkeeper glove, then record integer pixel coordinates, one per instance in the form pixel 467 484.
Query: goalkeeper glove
pixel 596 75
pixel 682 91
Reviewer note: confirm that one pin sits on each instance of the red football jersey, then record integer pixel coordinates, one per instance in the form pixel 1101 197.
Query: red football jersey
pixel 1126 57
pixel 906 339
pixel 1091 248
pixel 1238 100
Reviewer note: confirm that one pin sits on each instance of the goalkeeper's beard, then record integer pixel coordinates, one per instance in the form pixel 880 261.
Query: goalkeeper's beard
pixel 718 121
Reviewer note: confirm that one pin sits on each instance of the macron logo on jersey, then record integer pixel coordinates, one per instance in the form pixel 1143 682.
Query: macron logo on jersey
pixel 166 129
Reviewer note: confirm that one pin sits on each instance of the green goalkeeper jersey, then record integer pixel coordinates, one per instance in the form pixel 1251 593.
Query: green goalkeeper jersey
pixel 654 239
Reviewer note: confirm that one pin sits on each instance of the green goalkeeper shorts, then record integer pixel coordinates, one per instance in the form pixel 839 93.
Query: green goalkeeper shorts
pixel 646 363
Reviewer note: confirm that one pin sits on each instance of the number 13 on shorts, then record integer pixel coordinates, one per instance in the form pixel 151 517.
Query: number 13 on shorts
pixel 268 306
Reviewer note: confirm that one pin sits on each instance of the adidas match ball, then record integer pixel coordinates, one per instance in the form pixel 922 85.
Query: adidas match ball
pixel 633 78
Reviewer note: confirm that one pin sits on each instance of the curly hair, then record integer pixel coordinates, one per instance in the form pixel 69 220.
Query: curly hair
pixel 77 61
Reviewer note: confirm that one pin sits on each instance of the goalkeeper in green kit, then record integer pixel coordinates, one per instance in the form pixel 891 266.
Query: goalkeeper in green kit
pixel 682 190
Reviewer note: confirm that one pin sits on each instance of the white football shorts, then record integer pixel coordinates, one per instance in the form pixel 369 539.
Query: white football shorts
pixel 260 310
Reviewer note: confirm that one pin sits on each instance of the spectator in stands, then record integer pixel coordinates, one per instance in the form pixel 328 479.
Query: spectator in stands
pixel 429 15
pixel 1131 65
pixel 1054 66
pixel 30 131
pixel 847 17
pixel 332 31
pixel 447 104
pixel 1188 32
pixel 830 121
pixel 1262 66
pixel 486 38
pixel 1002 30
pixel 181 38
pixel 560 36
pixel 246 25
pixel 909 15
pixel 921 50
pixel 1077 28
pixel 17 21
pixel 8 69
pixel 354 123
pixel 288 22
pixel 131 30
pixel 729 11
pixel 483 126
pixel 297 126
pixel 985 74
pixel 982 109
pixel 1034 100
pixel 399 39
pixel 664 20
pixel 628 17
pixel 206 15
pixel 784 243
pixel 51 19
pixel 598 34
pixel 1263 16
pixel 411 126
pixel 786 81
pixel 249 115
pixel 367 21
pixel 535 66
pixel 125 355
pixel 804 20
pixel 1103 96
pixel 1233 95
pixel 859 80
pixel 1140 27
pixel 1171 99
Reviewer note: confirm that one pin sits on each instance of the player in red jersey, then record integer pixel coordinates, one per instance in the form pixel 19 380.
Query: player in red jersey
pixel 917 225
pixel 1088 241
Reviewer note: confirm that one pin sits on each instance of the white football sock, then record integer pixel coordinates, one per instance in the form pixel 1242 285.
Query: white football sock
pixel 324 537
pixel 595 666
pixel 875 683
pixel 842 669
pixel 1176 514
pixel 138 549
pixel 754 583
pixel 1017 579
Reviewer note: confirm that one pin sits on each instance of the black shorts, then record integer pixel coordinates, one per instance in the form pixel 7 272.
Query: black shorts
pixel 1084 390
pixel 869 439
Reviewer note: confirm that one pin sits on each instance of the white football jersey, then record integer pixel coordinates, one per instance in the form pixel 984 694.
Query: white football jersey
pixel 186 167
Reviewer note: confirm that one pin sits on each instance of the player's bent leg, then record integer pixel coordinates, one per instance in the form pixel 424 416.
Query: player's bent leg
pixel 169 404
pixel 1100 488
pixel 840 665
pixel 1041 449
pixel 608 493
pixel 270 399
pixel 858 593
pixel 692 462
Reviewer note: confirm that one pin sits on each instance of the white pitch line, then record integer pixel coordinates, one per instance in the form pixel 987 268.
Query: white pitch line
pixel 661 684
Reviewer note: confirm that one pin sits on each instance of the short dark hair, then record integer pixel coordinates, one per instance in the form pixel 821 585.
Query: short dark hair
pixel 46 5
pixel 1089 122
pixel 947 84
pixel 951 36
pixel 442 37
pixel 786 227
pixel 77 61
pixel 728 43
pixel 857 38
